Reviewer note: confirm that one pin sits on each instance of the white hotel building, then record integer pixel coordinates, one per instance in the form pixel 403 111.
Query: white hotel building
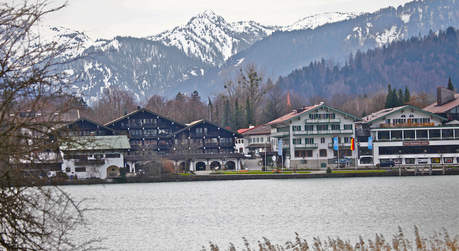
pixel 407 135
pixel 307 136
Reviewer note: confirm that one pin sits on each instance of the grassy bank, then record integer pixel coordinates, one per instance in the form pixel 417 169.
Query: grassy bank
pixel 359 171
pixel 398 242
pixel 258 172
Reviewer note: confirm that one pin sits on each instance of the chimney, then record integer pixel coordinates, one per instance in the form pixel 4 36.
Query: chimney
pixel 444 95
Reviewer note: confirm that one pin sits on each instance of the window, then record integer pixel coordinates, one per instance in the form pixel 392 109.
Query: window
pixel 198 130
pixel 296 128
pixel 435 160
pixel 448 160
pixel 434 134
pixel 300 153
pixel 396 135
pixel 346 140
pixel 348 127
pixel 383 135
pixel 308 153
pixel 309 141
pixel 80 169
pixel 409 161
pixel 297 141
pixel 447 133
pixel 322 127
pixel 409 134
pixel 309 127
pixel 323 153
pixel 322 140
pixel 67 169
pixel 421 134
pixel 335 127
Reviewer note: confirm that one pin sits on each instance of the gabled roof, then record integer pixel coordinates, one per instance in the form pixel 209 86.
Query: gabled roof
pixel 202 121
pixel 381 114
pixel 258 130
pixel 88 120
pixel 142 110
pixel 83 143
pixel 242 130
pixel 306 110
pixel 434 108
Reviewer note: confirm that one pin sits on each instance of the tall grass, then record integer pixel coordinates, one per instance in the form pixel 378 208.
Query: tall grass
pixel 440 241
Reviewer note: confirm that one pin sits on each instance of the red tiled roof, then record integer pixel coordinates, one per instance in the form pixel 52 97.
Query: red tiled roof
pixel 292 114
pixel 243 130
pixel 434 108
pixel 258 130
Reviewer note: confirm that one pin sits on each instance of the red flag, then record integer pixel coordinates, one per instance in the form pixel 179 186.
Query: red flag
pixel 352 144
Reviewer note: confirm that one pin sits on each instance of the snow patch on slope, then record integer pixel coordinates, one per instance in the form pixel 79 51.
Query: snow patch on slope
pixel 314 21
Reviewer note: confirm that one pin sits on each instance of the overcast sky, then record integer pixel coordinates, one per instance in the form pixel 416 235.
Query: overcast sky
pixel 108 18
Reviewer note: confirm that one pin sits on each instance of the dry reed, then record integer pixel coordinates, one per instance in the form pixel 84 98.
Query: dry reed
pixel 439 241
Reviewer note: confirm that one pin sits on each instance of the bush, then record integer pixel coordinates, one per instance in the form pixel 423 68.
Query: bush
pixel 329 170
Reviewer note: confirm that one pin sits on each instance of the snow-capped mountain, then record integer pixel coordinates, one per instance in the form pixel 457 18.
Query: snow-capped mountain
pixel 209 37
pixel 314 21
pixel 283 52
pixel 197 55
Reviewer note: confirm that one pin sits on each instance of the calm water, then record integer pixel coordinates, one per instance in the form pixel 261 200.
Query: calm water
pixel 186 216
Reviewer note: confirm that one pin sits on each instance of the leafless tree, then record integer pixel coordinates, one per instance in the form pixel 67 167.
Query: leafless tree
pixel 33 103
pixel 114 103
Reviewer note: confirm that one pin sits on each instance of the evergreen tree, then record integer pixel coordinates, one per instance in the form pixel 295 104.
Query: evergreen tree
pixel 389 97
pixel 400 98
pixel 406 95
pixel 450 84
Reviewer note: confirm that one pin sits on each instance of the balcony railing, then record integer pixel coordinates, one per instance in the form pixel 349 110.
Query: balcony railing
pixel 279 134
pixel 89 162
pixel 315 132
pixel 330 145
pixel 323 120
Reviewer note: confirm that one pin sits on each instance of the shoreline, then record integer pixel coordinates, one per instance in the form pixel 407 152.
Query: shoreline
pixel 223 177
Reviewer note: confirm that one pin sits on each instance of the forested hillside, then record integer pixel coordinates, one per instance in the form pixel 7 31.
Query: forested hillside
pixel 420 63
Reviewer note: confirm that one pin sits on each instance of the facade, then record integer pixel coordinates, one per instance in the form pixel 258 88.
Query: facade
pixel 407 135
pixel 203 145
pixel 307 136
pixel 255 140
pixel 149 134
pixel 94 156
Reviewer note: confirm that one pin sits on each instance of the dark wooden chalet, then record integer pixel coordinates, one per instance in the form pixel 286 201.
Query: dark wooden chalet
pixel 86 127
pixel 147 131
pixel 204 137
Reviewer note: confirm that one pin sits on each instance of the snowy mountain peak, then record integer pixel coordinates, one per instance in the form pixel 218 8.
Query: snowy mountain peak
pixel 314 21
pixel 209 37
pixel 207 16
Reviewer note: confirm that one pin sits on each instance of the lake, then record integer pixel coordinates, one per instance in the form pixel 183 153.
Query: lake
pixel 187 215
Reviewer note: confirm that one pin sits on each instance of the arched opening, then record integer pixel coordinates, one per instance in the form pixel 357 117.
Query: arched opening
pixel 181 167
pixel 200 166
pixel 113 171
pixel 230 165
pixel 215 165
